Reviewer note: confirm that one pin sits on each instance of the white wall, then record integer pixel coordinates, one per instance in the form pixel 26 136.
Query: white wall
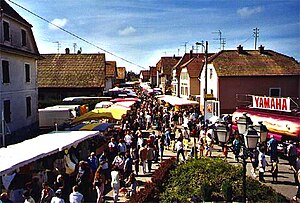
pixel 17 90
pixel 212 82
pixel 184 83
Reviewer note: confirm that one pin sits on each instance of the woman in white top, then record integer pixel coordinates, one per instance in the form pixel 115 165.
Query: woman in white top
pixel 115 182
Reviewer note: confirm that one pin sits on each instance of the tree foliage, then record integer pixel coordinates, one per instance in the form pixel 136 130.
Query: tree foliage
pixel 209 179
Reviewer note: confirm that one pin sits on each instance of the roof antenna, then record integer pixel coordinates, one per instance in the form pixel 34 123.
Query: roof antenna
pixel 58 46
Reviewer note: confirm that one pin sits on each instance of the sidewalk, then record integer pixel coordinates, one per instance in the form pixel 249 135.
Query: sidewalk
pixel 285 184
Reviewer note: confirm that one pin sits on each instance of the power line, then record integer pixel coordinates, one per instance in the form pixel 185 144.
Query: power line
pixel 76 36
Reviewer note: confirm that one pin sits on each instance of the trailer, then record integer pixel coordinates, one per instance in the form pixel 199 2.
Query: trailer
pixel 280 115
pixel 53 117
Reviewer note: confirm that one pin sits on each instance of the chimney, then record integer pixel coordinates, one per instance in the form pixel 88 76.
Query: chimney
pixel 67 51
pixel 261 49
pixel 191 53
pixel 240 49
pixel 79 51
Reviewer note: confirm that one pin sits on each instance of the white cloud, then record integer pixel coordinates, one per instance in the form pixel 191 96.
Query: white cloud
pixel 247 11
pixel 59 22
pixel 127 31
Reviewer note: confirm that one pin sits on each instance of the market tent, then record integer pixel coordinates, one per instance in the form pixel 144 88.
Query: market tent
pixel 116 111
pixel 125 99
pixel 176 101
pixel 126 104
pixel 93 126
pixel 14 156
pixel 93 116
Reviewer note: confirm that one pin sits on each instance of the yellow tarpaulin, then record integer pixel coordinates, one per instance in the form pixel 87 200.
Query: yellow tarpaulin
pixel 116 111
pixel 92 116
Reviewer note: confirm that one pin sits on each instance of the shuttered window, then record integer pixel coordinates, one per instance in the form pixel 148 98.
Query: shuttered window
pixel 5 72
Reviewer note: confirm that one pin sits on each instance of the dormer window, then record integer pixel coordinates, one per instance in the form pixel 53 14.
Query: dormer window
pixel 6 30
pixel 24 38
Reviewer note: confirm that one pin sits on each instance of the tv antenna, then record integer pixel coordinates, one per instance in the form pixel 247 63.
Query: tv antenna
pixel 58 46
pixel 222 41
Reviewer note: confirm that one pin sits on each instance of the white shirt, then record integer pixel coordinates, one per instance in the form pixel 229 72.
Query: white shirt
pixel 76 197
pixel 57 200
pixel 128 139
pixel 115 179
pixel 178 145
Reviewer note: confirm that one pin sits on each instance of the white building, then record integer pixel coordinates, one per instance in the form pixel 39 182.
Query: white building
pixel 18 88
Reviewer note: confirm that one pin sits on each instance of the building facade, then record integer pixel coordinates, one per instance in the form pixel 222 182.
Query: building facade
pixel 231 73
pixel 19 95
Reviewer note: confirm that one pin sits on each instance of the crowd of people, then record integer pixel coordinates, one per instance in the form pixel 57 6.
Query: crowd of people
pixel 131 146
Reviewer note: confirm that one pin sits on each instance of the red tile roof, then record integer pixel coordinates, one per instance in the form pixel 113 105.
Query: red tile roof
pixel 121 73
pixel 186 57
pixel 111 69
pixel 166 64
pixel 71 70
pixel 194 66
pixel 153 71
pixel 145 73
pixel 249 63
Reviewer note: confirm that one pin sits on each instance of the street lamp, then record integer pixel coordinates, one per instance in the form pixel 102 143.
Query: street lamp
pixel 223 135
pixel 243 122
pixel 262 131
pixel 251 138
pixel 205 75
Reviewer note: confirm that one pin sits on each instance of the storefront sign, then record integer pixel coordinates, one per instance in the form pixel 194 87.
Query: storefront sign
pixel 271 103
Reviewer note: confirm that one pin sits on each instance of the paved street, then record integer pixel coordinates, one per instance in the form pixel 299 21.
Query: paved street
pixel 284 185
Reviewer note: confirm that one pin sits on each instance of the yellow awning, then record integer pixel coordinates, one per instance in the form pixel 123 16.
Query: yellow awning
pixel 92 116
pixel 116 111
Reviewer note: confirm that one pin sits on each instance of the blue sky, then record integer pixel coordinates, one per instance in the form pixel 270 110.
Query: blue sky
pixel 142 31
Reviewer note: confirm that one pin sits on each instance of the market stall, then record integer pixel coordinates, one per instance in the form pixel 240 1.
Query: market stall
pixel 176 101
pixel 28 151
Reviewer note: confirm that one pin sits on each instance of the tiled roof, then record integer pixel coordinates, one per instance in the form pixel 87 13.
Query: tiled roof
pixel 186 57
pixel 71 70
pixel 249 63
pixel 110 69
pixel 145 73
pixel 194 66
pixel 121 73
pixel 153 71
pixel 166 64
pixel 9 11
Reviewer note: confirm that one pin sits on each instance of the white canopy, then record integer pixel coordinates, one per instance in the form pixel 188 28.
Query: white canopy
pixel 176 101
pixel 28 151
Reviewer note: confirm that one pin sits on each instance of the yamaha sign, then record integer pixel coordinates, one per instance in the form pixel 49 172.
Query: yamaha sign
pixel 271 103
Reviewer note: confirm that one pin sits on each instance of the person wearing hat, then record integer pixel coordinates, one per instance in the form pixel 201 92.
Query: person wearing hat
pixel 4 198
pixel 58 197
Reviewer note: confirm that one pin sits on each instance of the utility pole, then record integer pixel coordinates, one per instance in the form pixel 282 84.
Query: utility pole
pixel 255 34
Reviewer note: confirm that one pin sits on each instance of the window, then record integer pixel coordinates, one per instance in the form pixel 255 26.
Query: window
pixel 210 73
pixel 24 38
pixel 28 106
pixel 5 71
pixel 27 72
pixel 275 92
pixel 7 113
pixel 6 30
